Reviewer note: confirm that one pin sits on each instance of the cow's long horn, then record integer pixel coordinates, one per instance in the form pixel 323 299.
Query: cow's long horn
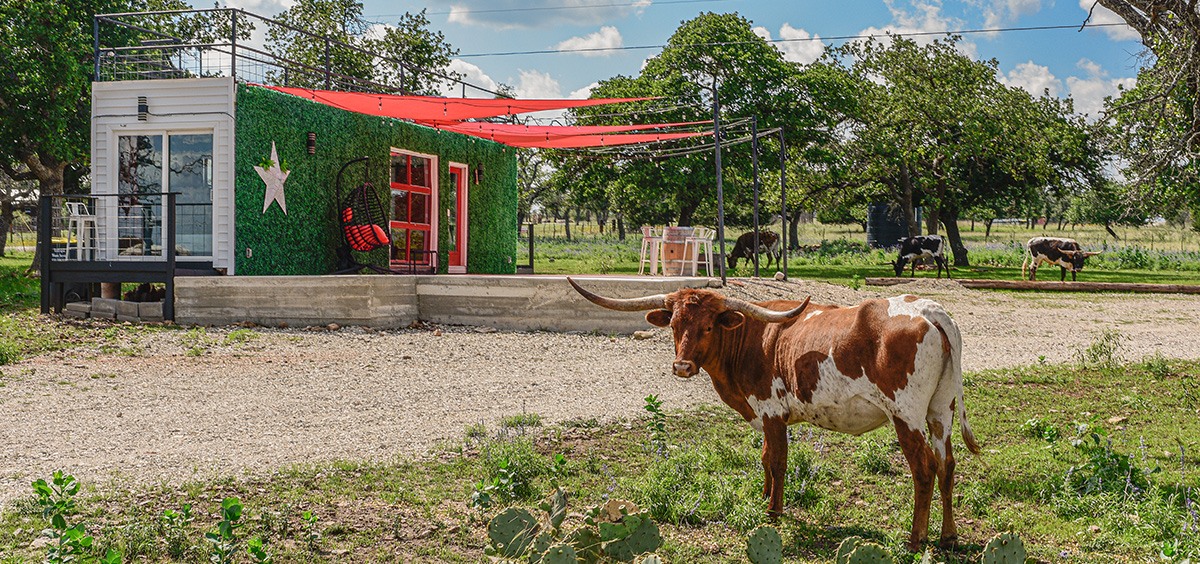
pixel 763 314
pixel 658 301
pixel 1093 253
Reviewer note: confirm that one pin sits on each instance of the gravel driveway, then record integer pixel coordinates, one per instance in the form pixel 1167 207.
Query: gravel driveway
pixel 294 396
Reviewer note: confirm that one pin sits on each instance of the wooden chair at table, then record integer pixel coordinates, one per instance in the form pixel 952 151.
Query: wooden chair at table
pixel 651 246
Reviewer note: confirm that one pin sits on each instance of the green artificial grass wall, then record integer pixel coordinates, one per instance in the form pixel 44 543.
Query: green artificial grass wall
pixel 306 239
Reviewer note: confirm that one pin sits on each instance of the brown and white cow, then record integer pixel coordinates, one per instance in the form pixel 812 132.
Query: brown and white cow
pixel 1061 251
pixel 768 243
pixel 847 369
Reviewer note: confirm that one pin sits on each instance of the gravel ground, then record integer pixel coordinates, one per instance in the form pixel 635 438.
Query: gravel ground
pixel 295 396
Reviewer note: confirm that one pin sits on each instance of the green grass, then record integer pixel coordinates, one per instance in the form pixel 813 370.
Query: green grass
pixel 1070 504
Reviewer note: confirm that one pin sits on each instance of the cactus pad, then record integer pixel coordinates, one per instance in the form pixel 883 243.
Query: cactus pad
pixel 643 536
pixel 1004 548
pixel 764 546
pixel 586 542
pixel 869 553
pixel 540 545
pixel 843 551
pixel 556 508
pixel 560 554
pixel 650 559
pixel 512 531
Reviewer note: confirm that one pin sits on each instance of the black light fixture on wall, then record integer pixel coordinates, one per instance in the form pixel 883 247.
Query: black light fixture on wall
pixel 312 142
pixel 478 173
pixel 143 108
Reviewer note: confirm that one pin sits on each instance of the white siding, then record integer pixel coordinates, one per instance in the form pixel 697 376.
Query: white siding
pixel 190 104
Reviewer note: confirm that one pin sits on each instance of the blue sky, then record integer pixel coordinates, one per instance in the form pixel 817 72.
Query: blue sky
pixel 1086 65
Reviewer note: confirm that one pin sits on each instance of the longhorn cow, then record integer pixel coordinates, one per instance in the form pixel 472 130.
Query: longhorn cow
pixel 846 369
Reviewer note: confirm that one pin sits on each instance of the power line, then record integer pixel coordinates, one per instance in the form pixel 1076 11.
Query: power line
pixel 549 8
pixel 813 38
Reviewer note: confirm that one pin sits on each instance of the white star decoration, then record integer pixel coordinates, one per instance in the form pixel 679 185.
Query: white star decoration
pixel 274 178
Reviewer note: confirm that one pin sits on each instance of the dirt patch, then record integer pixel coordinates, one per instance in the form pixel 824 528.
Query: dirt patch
pixel 185 406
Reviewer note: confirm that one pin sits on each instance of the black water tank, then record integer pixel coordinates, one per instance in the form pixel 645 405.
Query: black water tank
pixel 885 225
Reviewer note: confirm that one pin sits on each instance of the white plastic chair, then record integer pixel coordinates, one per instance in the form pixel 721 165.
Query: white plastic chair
pixel 651 245
pixel 700 244
pixel 81 223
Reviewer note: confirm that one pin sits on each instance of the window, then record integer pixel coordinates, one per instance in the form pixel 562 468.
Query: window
pixel 141 183
pixel 412 201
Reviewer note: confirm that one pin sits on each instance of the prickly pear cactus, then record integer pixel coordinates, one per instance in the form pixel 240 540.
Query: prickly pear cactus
pixel 643 537
pixel 1004 548
pixel 869 553
pixel 927 558
pixel 650 559
pixel 560 554
pixel 541 544
pixel 848 545
pixel 586 542
pixel 764 546
pixel 512 531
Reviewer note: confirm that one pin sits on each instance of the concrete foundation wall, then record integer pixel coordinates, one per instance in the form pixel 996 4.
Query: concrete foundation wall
pixel 505 302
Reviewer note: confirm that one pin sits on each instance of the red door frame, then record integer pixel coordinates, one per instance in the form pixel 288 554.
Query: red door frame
pixel 457 261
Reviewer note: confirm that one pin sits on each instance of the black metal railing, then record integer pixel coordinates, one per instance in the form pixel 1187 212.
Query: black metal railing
pixel 89 240
pixel 213 43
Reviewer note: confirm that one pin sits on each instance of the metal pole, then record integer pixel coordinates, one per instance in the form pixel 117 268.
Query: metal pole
pixel 783 201
pixel 233 44
pixel 720 189
pixel 46 238
pixel 96 48
pixel 754 157
pixel 169 300
pixel 327 77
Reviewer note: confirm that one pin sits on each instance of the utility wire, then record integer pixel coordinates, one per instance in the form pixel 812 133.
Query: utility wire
pixel 550 8
pixel 813 38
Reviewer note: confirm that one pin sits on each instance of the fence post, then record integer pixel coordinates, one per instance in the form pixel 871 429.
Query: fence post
pixel 233 44
pixel 44 224
pixel 327 78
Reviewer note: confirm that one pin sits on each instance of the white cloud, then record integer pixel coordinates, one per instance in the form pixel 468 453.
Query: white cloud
pixel 583 93
pixel 471 74
pixel 1089 92
pixel 607 38
pixel 797 45
pixel 926 17
pixel 1102 15
pixel 1001 12
pixel 533 14
pixel 1034 78
pixel 534 84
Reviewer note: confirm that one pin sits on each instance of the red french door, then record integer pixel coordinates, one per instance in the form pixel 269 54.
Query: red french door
pixel 456 219
pixel 412 211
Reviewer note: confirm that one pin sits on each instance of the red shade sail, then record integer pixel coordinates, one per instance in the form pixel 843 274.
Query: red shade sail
pixel 433 110
pixel 579 141
pixel 484 129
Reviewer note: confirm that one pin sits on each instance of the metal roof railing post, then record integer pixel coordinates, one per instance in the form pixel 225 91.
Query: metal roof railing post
pixel 720 190
pixel 233 44
pixel 754 157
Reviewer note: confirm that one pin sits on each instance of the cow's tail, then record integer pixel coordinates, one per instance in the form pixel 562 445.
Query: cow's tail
pixel 952 373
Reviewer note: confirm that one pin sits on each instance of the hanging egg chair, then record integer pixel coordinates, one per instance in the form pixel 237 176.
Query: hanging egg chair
pixel 362 217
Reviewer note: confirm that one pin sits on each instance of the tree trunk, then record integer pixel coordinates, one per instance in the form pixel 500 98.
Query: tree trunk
pixel 686 214
pixel 794 231
pixel 6 221
pixel 906 202
pixel 950 220
pixel 620 227
pixel 988 233
pixel 567 223
pixel 50 182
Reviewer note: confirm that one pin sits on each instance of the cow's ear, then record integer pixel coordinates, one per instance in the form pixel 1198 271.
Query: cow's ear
pixel 659 317
pixel 731 319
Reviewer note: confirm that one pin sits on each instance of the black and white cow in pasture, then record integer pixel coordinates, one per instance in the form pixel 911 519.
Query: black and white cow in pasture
pixel 1055 250
pixel 921 246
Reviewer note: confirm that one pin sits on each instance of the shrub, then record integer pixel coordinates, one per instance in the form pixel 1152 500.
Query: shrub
pixel 873 456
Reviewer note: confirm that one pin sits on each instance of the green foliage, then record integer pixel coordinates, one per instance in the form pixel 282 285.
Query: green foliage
pixel 306 239
pixel 224 540
pixel 175 527
pixel 844 549
pixel 1004 548
pixel 312 532
pixel 873 456
pixel 657 425
pixel 633 535
pixel 764 546
pixel 521 420
pixel 1036 428
pixel 1105 469
pixel 68 544
pixel 1105 353
pixel 240 336
pixel 869 553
